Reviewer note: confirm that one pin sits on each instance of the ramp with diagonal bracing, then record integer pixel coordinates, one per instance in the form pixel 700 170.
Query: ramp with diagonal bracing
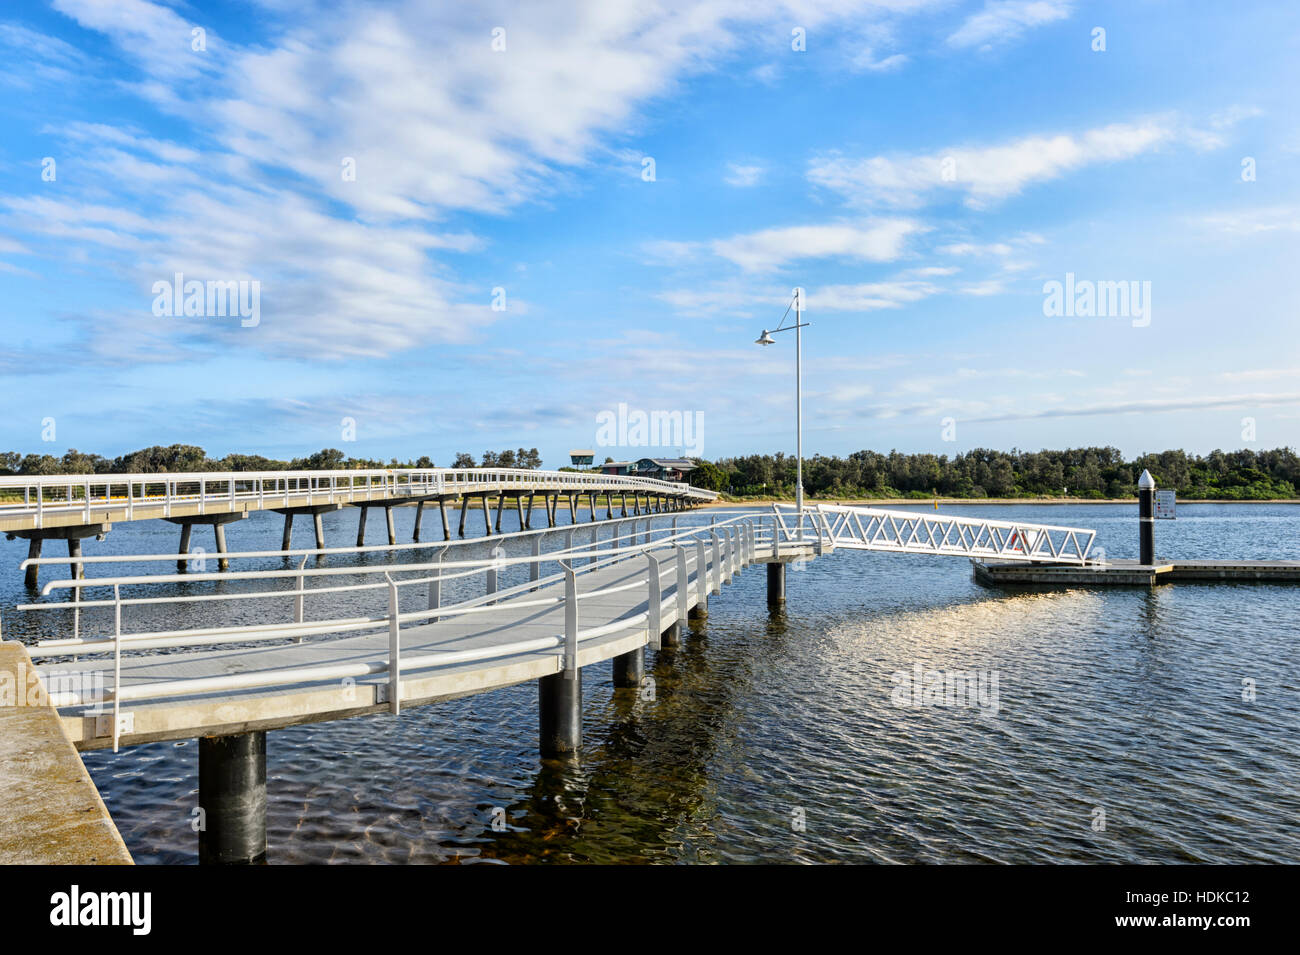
pixel 911 532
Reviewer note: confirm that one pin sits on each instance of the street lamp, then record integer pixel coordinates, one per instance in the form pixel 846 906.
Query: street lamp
pixel 766 339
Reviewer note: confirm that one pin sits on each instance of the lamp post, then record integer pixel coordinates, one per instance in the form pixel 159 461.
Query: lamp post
pixel 766 339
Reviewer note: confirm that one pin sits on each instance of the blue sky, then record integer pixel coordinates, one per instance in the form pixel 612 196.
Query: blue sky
pixel 922 168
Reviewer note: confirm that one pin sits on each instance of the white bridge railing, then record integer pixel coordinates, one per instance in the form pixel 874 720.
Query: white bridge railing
pixel 709 553
pixel 913 532
pixel 94 496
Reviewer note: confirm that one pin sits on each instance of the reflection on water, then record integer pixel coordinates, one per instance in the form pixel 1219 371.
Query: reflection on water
pixel 1125 700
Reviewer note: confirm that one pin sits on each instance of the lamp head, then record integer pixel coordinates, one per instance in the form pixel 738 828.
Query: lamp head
pixel 765 339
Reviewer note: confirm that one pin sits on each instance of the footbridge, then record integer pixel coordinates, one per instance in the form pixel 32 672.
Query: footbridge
pixel 383 628
pixel 75 507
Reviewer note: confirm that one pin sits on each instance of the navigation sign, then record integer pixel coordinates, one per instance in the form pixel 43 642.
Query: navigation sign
pixel 1165 506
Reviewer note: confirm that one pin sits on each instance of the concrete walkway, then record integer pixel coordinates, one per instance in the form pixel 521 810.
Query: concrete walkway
pixel 52 813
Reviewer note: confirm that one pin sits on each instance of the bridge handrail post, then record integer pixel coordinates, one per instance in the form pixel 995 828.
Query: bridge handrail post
pixel 716 583
pixel 117 664
pixel 683 583
pixel 654 603
pixel 394 650
pixel 203 495
pixel 570 623
pixel 492 572
pixel 701 574
pixel 435 584
pixel 595 543
pixel 535 563
pixel 300 598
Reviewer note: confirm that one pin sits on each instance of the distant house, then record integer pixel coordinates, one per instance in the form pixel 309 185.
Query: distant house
pixel 664 469
pixel 617 467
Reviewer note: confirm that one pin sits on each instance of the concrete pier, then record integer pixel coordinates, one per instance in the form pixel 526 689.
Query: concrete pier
pixel 629 668
pixel 315 510
pixel 50 811
pixel 232 797
pixel 73 534
pixel 776 584
pixel 559 701
pixel 218 523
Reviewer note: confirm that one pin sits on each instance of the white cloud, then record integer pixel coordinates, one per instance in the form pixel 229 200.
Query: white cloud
pixel 867 60
pixel 1004 20
pixel 985 174
pixel 971 248
pixel 880 240
pixel 1281 218
pixel 348 266
pixel 868 296
pixel 743 175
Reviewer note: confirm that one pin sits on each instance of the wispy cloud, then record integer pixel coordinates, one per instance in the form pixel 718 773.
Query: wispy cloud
pixel 1001 21
pixel 985 174
pixel 880 240
pixel 742 175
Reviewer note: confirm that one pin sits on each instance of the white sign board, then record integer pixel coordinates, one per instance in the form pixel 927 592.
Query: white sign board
pixel 1165 506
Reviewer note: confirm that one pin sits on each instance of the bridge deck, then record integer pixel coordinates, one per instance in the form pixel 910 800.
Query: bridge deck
pixel 508 622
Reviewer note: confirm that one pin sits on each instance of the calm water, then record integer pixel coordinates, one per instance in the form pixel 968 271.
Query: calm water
pixel 1126 701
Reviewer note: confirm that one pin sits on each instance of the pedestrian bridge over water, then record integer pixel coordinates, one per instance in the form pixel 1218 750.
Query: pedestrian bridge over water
pixel 585 593
pixel 74 507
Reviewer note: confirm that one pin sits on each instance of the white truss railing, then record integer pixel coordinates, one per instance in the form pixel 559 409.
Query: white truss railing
pixel 912 532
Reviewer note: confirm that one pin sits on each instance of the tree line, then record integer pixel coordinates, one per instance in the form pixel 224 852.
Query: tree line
pixel 175 458
pixel 1096 473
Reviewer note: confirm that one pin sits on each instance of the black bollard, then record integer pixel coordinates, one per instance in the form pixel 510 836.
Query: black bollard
pixel 1146 519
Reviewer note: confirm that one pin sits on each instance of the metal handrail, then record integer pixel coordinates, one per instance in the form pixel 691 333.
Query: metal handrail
pixel 741 547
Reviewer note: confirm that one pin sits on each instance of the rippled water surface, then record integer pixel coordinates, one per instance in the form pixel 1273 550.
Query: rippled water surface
pixel 1124 701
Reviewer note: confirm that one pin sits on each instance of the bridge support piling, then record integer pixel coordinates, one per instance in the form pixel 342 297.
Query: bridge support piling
pixel 487 515
pixel 623 509
pixel 392 532
pixel 419 517
pixel 464 505
pixel 559 699
pixel 32 576
pixel 609 505
pixel 361 526
pixel 219 532
pixel 286 539
pixel 573 508
pixel 501 506
pixel 442 509
pixel 629 668
pixel 591 499
pixel 232 797
pixel 671 637
pixel 775 584
pixel 528 521
pixel 74 551
pixel 186 531
pixel 318 526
